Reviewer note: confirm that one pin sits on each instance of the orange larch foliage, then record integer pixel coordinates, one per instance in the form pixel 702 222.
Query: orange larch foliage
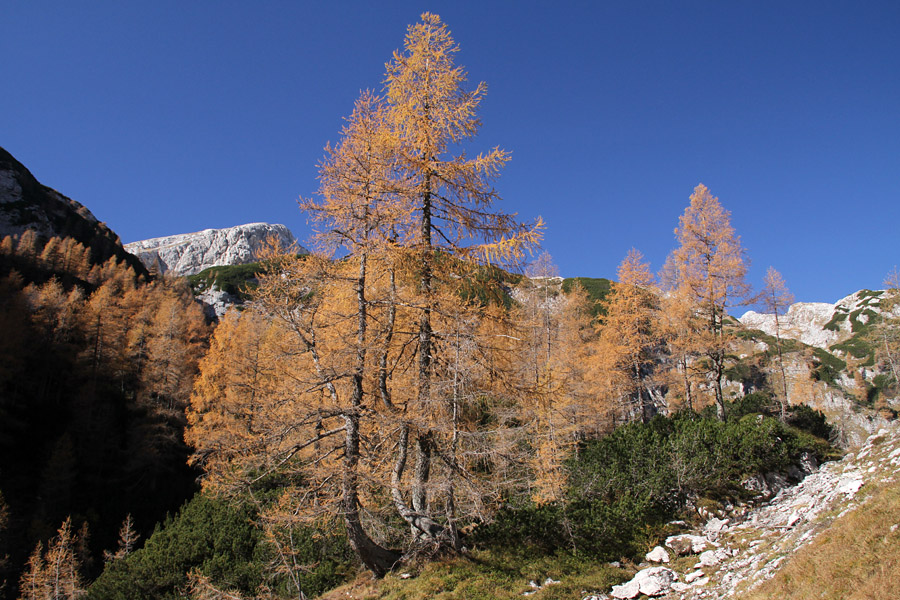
pixel 711 272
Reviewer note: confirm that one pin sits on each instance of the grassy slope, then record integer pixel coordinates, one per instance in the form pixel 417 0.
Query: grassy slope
pixel 857 557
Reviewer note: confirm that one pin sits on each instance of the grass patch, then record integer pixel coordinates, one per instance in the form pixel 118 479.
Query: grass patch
pixel 857 557
pixel 491 575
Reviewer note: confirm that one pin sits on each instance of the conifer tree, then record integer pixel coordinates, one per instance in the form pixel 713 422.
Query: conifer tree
pixel 450 195
pixel 359 381
pixel 711 271
pixel 629 333
pixel 128 539
pixel 56 574
pixel 777 298
pixel 888 346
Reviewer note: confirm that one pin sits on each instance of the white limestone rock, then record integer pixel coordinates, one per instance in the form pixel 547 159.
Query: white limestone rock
pixel 805 321
pixel 657 555
pixel 709 558
pixel 653 581
pixel 692 577
pixel 849 485
pixel 631 589
pixel 190 253
pixel 687 544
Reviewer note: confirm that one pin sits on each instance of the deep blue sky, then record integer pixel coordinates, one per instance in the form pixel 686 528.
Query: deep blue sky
pixel 168 116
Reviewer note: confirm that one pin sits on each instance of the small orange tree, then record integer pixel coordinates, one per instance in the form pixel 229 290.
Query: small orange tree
pixel 777 298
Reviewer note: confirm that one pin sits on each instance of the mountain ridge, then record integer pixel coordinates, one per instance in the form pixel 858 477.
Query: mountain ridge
pixel 191 253
pixel 26 204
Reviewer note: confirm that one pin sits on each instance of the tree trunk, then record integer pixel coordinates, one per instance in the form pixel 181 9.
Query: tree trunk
pixel 376 558
pixel 421 525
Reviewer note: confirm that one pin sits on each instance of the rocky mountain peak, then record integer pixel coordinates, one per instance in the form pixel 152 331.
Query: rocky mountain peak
pixel 190 253
pixel 819 324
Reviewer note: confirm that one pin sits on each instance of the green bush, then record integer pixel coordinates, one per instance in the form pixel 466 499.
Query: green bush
pixel 827 367
pixel 624 487
pixel 218 539
pixel 236 280
pixel 207 534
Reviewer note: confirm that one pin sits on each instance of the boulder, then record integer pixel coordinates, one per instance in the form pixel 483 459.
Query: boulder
pixel 714 528
pixel 692 577
pixel 709 558
pixel 686 544
pixel 653 581
pixel 657 555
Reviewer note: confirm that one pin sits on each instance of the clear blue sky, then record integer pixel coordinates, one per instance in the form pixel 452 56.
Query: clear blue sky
pixel 168 116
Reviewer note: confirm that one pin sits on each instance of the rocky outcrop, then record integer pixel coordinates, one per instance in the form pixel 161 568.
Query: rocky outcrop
pixel 736 553
pixel 26 204
pixel 819 324
pixel 190 253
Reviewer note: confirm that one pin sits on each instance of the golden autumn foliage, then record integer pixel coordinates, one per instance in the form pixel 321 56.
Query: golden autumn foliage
pixel 56 573
pixel 96 367
pixel 370 387
pixel 629 336
pixel 557 392
pixel 710 269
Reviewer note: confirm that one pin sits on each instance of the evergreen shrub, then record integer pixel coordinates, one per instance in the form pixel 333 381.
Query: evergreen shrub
pixel 623 488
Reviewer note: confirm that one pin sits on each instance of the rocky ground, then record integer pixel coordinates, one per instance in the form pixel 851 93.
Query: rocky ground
pixel 738 550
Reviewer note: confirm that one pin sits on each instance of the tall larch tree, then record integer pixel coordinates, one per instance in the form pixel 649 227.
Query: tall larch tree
pixel 368 359
pixel 777 298
pixel 450 195
pixel 681 328
pixel 712 270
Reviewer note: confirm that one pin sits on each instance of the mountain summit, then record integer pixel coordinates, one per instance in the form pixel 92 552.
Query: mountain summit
pixel 190 253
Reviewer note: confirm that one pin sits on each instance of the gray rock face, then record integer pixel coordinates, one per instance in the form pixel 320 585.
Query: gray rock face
pixel 190 253
pixel 820 324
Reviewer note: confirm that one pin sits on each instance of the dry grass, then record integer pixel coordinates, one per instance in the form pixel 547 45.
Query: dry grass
pixel 857 558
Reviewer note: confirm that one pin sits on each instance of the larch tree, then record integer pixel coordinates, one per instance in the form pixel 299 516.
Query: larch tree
pixel 711 269
pixel 629 333
pixel 888 347
pixel 681 329
pixel 56 573
pixel 450 195
pixel 366 363
pixel 777 298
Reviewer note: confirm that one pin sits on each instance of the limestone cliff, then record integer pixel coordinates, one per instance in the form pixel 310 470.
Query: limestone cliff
pixel 820 324
pixel 190 253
